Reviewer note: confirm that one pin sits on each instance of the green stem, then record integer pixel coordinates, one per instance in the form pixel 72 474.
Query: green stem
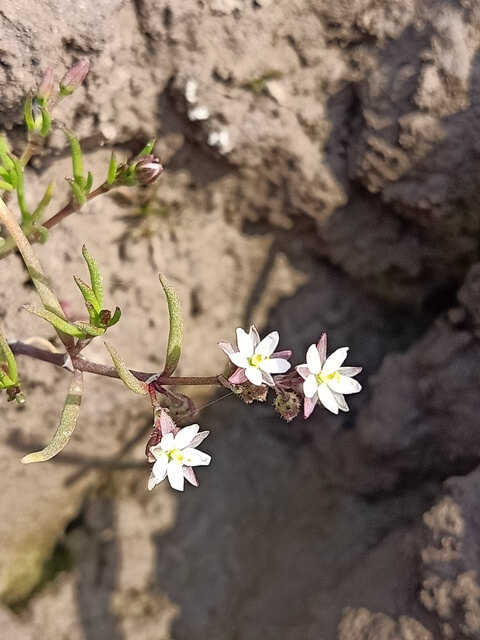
pixel 35 269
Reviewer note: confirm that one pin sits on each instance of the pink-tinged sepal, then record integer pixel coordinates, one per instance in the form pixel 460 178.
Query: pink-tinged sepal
pixel 227 347
pixel 189 475
pixel 238 377
pixel 286 355
pixel 322 348
pixel 308 406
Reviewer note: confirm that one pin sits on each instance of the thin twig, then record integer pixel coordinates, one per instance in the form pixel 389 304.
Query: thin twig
pixel 82 364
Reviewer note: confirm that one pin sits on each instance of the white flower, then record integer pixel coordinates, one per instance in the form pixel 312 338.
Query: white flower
pixel 175 455
pixel 325 380
pixel 255 358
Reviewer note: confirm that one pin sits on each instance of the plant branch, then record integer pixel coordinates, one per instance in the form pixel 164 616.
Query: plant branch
pixel 82 364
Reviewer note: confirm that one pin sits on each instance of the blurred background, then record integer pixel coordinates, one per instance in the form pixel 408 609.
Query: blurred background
pixel 321 174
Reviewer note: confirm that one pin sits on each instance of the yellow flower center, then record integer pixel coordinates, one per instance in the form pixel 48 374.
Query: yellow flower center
pixel 323 378
pixel 255 360
pixel 176 455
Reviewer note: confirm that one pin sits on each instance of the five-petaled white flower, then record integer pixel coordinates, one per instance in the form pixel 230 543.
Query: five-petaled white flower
pixel 325 380
pixel 175 455
pixel 255 358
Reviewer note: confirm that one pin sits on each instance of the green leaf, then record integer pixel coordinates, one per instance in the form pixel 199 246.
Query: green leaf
pixel 112 169
pixel 43 204
pixel 147 149
pixel 27 113
pixel 46 121
pixel 89 182
pixel 6 186
pixel 126 376
pixel 175 335
pixel 77 161
pixel 54 320
pixel 95 276
pixel 89 329
pixel 78 192
pixel 87 293
pixel 116 317
pixel 66 427
pixel 7 356
pixel 42 234
pixel 19 171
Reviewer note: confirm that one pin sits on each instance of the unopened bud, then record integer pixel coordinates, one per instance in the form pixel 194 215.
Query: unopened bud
pixel 105 316
pixel 287 404
pixel 147 170
pixel 15 393
pixel 74 77
pixel 46 87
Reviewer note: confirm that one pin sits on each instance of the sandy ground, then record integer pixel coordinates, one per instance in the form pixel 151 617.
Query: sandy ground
pixel 321 175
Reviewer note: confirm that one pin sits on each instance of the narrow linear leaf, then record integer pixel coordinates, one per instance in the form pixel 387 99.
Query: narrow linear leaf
pixel 66 427
pixel 6 186
pixel 9 358
pixel 44 202
pixel 88 329
pixel 27 113
pixel 77 161
pixel 95 276
pixel 46 121
pixel 175 334
pixel 126 376
pixel 89 182
pixel 53 319
pixel 112 169
pixel 20 187
pixel 117 314
pixel 87 293
pixel 147 149
pixel 78 192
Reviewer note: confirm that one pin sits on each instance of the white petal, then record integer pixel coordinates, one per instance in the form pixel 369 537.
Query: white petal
pixel 244 342
pixel 313 359
pixel 268 345
pixel 267 378
pixel 227 347
pixel 195 458
pixel 159 469
pixel 340 400
pixel 239 359
pixel 185 436
pixel 254 336
pixel 254 375
pixel 175 476
pixel 303 370
pixel 345 385
pixel 327 398
pixel 166 443
pixel 152 482
pixel 310 386
pixel 275 365
pixel 335 360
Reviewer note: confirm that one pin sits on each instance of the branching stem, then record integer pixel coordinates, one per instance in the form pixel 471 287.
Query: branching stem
pixel 82 364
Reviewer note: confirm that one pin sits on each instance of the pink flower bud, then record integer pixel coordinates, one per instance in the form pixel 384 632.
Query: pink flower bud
pixel 74 77
pixel 147 170
pixel 45 89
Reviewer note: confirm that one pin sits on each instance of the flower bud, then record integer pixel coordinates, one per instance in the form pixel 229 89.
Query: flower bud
pixel 287 404
pixel 74 77
pixel 46 87
pixel 147 170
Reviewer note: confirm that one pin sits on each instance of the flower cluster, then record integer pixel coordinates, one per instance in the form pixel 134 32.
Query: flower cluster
pixel 320 380
pixel 257 367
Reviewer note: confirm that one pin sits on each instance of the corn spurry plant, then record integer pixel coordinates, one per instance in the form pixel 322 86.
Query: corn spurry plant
pixel 254 367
